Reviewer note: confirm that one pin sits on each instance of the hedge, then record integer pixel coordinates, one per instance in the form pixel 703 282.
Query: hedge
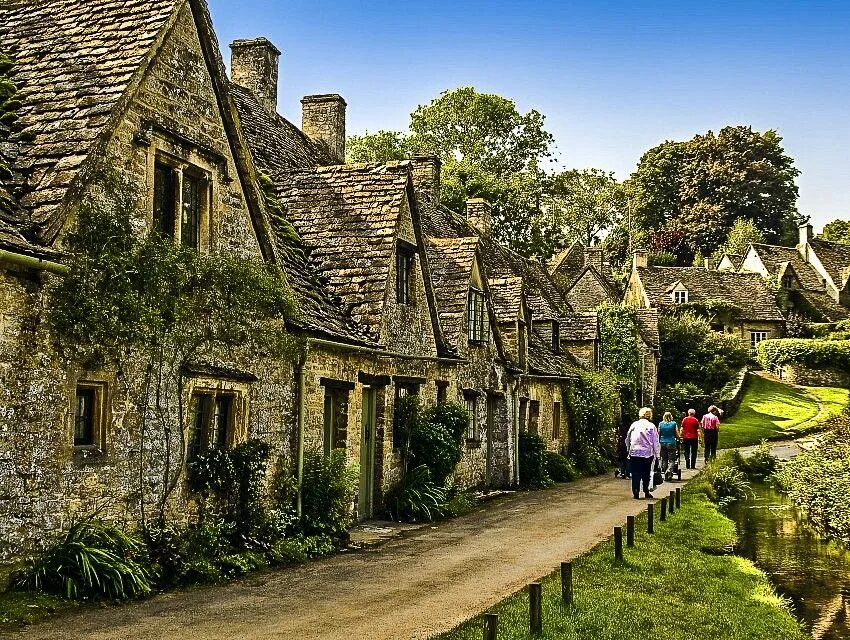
pixel 814 353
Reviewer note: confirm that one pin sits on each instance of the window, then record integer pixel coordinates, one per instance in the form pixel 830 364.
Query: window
pixel 523 414
pixel 521 344
pixel 556 337
pixel 533 416
pixel 336 418
pixel 556 421
pixel 211 421
pixel 680 296
pixel 788 281
pixel 402 390
pixel 89 419
pixel 180 191
pixel 442 389
pixel 478 327
pixel 756 337
pixel 164 199
pixel 472 425
pixel 403 274
pixel 190 214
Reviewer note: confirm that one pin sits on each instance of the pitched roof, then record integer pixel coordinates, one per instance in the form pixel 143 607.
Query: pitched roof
pixel 834 256
pixel 580 327
pixel 568 261
pixel 772 256
pixel 541 360
pixel 748 291
pixel 74 62
pixel 507 296
pixel 734 258
pixel 348 215
pixel 824 304
pixel 584 299
pixel 647 326
pixel 451 261
pixel 276 144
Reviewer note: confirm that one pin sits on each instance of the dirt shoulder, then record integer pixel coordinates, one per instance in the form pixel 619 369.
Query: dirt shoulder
pixel 426 582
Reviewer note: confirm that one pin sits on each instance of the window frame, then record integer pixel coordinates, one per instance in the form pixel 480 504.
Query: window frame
pixel 211 433
pixel 757 336
pixel 556 420
pixel 556 337
pixel 473 432
pixel 97 391
pixel 680 296
pixel 400 390
pixel 335 415
pixel 533 417
pixel 477 318
pixel 405 263
pixel 182 172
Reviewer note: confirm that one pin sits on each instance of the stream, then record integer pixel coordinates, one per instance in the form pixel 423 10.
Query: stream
pixel 813 572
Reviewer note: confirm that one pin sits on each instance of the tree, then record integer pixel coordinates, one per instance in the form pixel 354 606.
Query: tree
pixel 837 231
pixel 488 150
pixel 584 204
pixel 742 234
pixel 699 188
pixel 381 146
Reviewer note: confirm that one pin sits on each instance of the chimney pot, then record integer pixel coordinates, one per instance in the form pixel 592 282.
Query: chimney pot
pixel 479 214
pixel 641 259
pixel 254 65
pixel 323 120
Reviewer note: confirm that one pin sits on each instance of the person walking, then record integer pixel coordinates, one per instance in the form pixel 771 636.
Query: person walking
pixel 644 447
pixel 710 425
pixel 690 438
pixel 668 435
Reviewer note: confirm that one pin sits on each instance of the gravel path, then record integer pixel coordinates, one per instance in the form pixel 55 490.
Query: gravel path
pixel 426 582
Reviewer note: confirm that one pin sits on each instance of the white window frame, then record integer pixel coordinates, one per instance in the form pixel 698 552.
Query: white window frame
pixel 680 296
pixel 757 337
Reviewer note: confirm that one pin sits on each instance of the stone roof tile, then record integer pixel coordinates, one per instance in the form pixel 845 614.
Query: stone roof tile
pixel 835 258
pixel 772 256
pixel 451 261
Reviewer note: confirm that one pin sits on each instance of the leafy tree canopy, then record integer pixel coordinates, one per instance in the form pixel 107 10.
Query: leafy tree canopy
pixel 837 231
pixel 688 195
pixel 584 204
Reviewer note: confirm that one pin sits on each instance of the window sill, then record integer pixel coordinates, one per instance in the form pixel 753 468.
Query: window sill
pixel 88 454
pixel 473 443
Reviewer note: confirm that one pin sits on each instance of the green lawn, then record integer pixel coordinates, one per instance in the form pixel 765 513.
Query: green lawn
pixel 668 587
pixel 772 410
pixel 18 609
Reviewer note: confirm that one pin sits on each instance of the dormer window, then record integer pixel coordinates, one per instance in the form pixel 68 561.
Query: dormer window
pixel 180 202
pixel 404 261
pixel 556 338
pixel 680 296
pixel 476 312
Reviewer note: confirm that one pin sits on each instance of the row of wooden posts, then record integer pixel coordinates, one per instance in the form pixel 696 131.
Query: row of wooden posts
pixel 669 505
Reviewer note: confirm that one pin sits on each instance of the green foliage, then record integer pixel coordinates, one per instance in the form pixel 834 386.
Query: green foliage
pixel 417 498
pixel 91 560
pixel 661 259
pixel 688 195
pixel 709 310
pixel 438 439
pixel 532 461
pixel 837 231
pixel 559 468
pixel 381 146
pixel 619 337
pixel 692 353
pixel 593 407
pixel 741 235
pixel 327 493
pixel 814 353
pixel 761 464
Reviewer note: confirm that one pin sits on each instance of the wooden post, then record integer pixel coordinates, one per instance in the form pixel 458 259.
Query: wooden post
pixel 663 509
pixel 491 625
pixel 630 531
pixel 678 497
pixel 671 501
pixel 535 607
pixel 679 474
pixel 618 543
pixel 650 518
pixel 567 582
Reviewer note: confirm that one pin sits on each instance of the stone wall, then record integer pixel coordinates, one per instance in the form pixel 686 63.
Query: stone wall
pixel 809 377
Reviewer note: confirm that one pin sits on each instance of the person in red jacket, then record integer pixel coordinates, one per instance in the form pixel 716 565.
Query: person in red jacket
pixel 690 438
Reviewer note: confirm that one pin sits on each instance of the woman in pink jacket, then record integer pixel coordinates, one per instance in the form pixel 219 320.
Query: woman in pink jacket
pixel 643 446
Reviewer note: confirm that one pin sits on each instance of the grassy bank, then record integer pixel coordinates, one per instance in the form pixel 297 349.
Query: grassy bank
pixel 772 410
pixel 672 585
pixel 18 609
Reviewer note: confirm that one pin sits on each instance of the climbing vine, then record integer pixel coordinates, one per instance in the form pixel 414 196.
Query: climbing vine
pixel 142 301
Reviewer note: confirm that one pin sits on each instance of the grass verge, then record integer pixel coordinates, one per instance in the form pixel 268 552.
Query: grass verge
pixel 671 585
pixel 772 410
pixel 18 609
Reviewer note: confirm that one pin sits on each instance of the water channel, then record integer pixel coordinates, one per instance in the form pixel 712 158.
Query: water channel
pixel 814 573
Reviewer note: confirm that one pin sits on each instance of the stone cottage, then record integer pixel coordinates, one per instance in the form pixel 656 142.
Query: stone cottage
pixel 750 312
pixel 396 295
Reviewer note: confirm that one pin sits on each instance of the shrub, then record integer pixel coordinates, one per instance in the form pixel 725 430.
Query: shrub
pixel 532 461
pixel 437 440
pixel 92 559
pixel 730 484
pixel 761 464
pixel 288 551
pixel 238 564
pixel 461 502
pixel 327 494
pixel 593 404
pixel 559 468
pixel 416 498
pixel 167 554
pixel 814 353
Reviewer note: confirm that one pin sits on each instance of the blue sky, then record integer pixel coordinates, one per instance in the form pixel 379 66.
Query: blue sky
pixel 613 79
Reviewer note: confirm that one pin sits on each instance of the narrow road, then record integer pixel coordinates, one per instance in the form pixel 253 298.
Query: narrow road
pixel 424 583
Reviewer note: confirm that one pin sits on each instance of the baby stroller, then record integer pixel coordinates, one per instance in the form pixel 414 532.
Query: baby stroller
pixel 675 469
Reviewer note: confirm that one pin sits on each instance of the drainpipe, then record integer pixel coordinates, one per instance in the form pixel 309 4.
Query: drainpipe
pixel 33 263
pixel 301 402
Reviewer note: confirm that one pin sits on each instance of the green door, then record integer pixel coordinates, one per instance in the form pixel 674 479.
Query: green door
pixel 367 454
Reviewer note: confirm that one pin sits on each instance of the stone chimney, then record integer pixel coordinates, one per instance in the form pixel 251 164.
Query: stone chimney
pixel 254 65
pixel 426 179
pixel 706 262
pixel 479 214
pixel 641 259
pixel 323 120
pixel 593 258
pixel 806 233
